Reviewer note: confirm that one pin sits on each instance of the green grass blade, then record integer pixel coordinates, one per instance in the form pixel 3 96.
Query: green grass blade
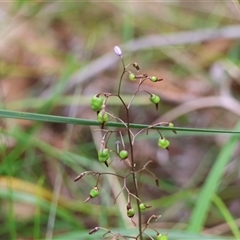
pixel 211 185
pixel 37 217
pixel 44 204
pixel 88 122
pixel 227 215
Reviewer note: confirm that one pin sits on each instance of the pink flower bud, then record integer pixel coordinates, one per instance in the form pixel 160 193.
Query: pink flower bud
pixel 118 51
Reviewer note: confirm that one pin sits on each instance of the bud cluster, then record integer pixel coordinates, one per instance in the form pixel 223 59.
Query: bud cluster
pixel 98 104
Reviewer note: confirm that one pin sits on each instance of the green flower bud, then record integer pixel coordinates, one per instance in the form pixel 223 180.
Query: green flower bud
pixel 94 192
pixel 103 155
pixel 130 212
pixel 163 143
pixel 102 118
pixel 123 154
pixel 132 77
pixel 154 99
pixel 171 125
pixel 96 103
pixel 161 237
pixel 153 79
pixel 142 206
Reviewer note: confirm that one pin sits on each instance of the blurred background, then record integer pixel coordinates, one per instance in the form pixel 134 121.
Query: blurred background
pixel 55 55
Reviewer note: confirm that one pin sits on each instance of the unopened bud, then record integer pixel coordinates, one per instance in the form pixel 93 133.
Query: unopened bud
pixel 118 51
pixel 135 65
pixel 79 177
pixel 94 230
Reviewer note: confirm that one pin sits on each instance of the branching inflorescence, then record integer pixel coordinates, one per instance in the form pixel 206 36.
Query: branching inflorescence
pixel 98 104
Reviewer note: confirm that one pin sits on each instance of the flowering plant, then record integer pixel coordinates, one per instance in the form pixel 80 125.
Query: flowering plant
pixel 135 206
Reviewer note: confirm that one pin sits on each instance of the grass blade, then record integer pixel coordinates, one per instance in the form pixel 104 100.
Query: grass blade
pixel 211 185
pixel 227 215
pixel 88 122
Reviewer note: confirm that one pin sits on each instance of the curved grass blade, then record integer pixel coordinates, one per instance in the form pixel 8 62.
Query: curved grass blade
pixel 227 215
pixel 211 185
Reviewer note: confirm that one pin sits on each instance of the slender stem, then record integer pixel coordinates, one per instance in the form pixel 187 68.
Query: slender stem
pixel 120 82
pixel 135 188
pixel 133 171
